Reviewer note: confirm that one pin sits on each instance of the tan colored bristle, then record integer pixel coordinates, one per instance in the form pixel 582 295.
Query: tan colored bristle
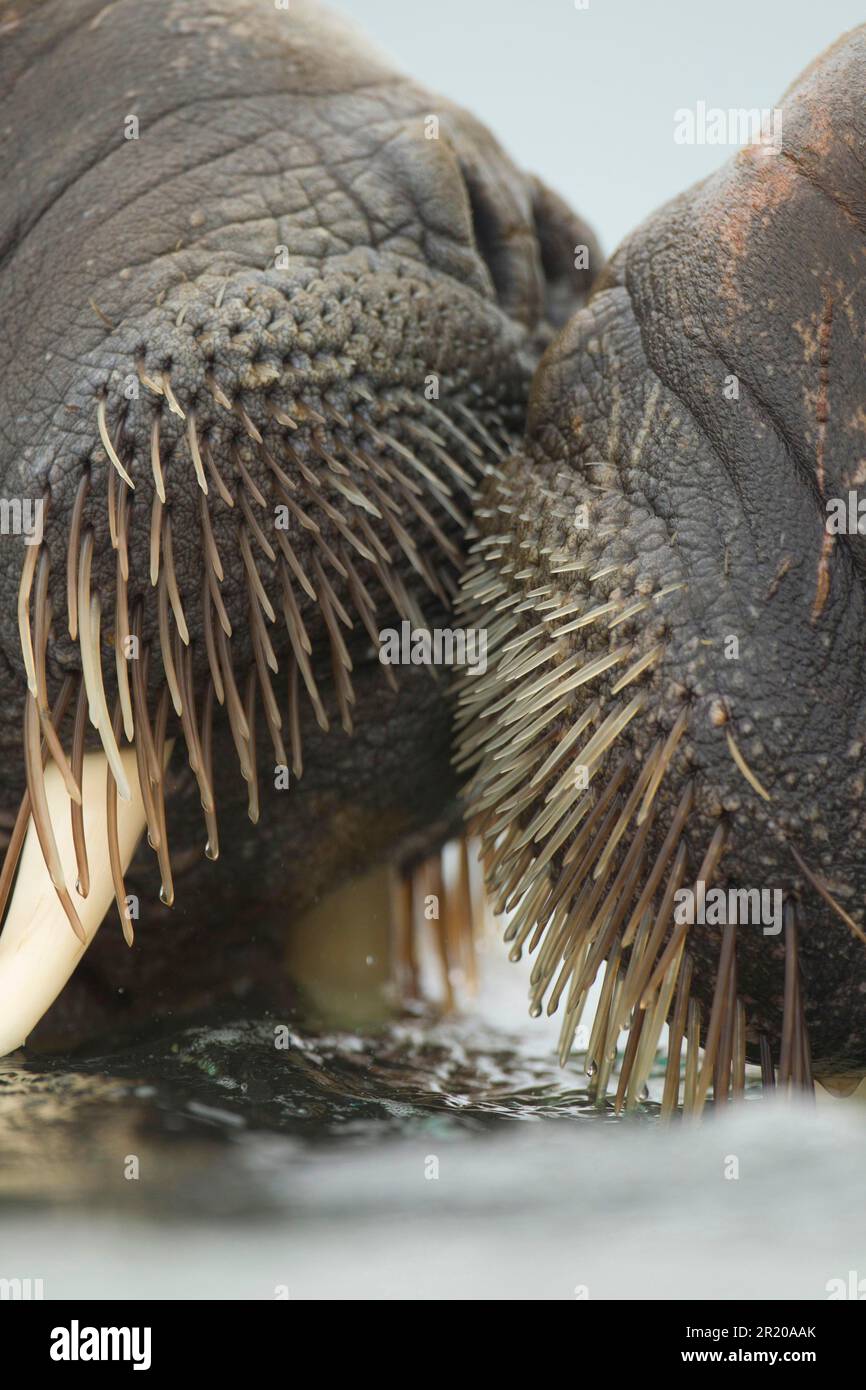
pixel 114 856
pixel 663 763
pixel 210 643
pixel 714 1027
pixel 216 477
pixel 744 768
pixel 170 397
pixel 212 845
pixel 670 1096
pixel 255 585
pixel 165 643
pixel 155 460
pixel 72 552
pixel 121 648
pixel 41 816
pixel 294 721
pixel 705 875
pixel 31 556
pixel 156 514
pixel 107 444
pixel 237 717
pixel 198 465
pixel 162 749
pixel 22 819
pixel 252 780
pixel 78 837
pixel 192 736
pixel 171 580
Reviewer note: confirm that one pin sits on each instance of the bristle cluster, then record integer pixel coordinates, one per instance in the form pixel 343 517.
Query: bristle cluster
pixel 581 850
pixel 379 503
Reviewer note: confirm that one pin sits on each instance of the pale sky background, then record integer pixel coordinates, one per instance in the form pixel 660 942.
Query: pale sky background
pixel 586 98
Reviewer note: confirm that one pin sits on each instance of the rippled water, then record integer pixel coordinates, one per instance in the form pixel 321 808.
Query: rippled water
pixel 422 1159
pixel 217 1095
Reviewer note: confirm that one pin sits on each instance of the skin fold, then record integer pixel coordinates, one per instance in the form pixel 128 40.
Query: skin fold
pixel 238 241
pixel 703 408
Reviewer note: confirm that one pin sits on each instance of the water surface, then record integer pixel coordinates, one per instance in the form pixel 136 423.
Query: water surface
pixel 425 1158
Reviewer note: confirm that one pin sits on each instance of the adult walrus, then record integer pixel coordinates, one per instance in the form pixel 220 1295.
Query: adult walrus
pixel 259 359
pixel 693 623
pixel 269 311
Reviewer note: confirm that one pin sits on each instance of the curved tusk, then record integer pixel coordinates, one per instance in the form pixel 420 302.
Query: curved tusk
pixel 38 949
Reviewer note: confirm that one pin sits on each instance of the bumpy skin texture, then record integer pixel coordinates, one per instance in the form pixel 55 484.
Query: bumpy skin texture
pixel 281 236
pixel 760 272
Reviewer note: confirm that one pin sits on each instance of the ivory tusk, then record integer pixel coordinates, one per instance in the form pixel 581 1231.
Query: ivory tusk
pixel 38 948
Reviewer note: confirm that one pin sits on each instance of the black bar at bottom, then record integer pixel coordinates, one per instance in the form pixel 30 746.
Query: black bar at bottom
pixel 68 1338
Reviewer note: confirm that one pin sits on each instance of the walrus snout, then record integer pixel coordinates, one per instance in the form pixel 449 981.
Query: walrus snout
pixel 293 324
pixel 680 705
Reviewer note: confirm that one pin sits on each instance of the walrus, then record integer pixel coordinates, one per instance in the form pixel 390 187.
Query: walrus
pixel 294 355
pixel 270 311
pixel 691 634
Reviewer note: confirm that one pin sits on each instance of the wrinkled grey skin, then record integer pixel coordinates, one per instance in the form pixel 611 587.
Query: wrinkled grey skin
pixel 407 256
pixel 759 272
